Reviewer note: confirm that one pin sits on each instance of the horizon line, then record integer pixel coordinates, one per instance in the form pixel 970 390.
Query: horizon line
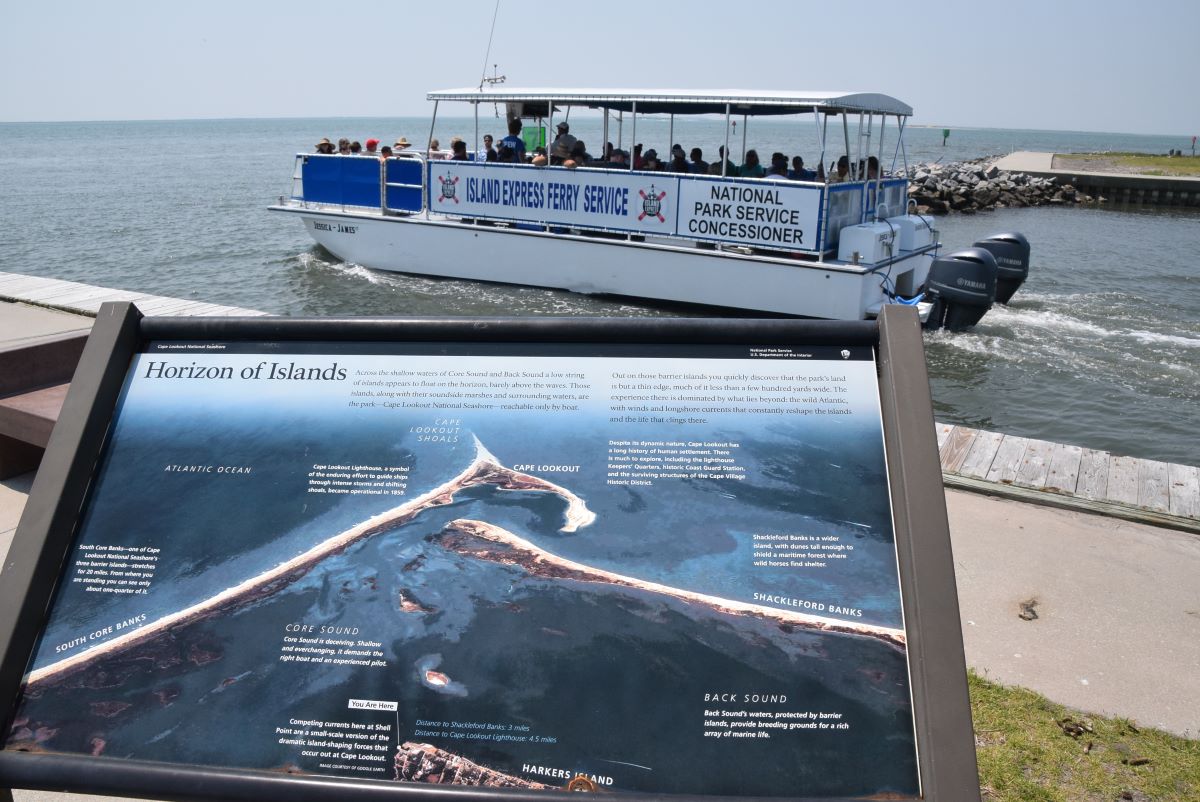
pixel 951 126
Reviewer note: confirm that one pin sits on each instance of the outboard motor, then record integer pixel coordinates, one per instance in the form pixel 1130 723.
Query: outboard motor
pixel 1011 250
pixel 962 287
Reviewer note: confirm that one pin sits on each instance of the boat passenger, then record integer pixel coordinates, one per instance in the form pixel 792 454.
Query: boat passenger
pixel 458 150
pixel 639 163
pixel 798 173
pixel 356 148
pixel 872 168
pixel 514 141
pixel 385 153
pixel 372 147
pixel 487 153
pixel 563 143
pixel 344 146
pixel 679 163
pixel 401 144
pixel 539 160
pixel 579 153
pixel 730 169
pixel 778 167
pixel 752 168
pixel 698 165
pixel 325 146
pixel 651 161
pixel 842 173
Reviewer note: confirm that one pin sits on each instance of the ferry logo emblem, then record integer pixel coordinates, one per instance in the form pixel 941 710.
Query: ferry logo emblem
pixel 845 353
pixel 448 188
pixel 652 204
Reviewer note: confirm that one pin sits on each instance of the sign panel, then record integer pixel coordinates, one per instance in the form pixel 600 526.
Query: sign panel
pixel 757 213
pixel 665 569
pixel 770 215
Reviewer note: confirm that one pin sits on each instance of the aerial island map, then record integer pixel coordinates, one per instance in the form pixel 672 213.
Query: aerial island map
pixel 661 569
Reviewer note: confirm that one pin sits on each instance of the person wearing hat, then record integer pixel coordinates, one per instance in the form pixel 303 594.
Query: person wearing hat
pixel 779 165
pixel 400 144
pixel 372 147
pixel 325 146
pixel 563 143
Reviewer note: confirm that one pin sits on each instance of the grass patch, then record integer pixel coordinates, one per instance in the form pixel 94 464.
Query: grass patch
pixel 1145 163
pixel 1033 750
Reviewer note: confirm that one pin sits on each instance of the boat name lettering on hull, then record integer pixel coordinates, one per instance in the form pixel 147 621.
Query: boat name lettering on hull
pixel 336 227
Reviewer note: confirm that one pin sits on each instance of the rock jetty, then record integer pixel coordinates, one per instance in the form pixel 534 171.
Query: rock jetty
pixel 971 186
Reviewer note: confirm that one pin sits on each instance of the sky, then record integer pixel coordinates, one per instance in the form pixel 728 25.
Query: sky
pixel 1051 64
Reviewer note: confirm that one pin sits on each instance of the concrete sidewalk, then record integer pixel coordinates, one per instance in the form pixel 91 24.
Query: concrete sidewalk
pixel 1026 161
pixel 22 324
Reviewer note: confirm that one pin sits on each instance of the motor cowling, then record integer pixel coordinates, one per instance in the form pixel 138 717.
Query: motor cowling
pixel 962 287
pixel 1011 250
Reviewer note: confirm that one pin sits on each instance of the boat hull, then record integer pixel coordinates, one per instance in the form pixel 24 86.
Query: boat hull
pixel 667 272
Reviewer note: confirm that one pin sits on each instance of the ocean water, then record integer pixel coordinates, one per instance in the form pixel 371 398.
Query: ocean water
pixel 1100 348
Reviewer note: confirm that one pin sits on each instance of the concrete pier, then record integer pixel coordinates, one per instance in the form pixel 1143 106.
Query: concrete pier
pixel 1159 190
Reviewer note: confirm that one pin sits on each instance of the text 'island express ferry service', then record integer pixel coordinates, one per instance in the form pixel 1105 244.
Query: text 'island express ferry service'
pixel 837 249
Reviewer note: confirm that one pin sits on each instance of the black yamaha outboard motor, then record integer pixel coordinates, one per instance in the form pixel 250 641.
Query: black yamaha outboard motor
pixel 1011 250
pixel 962 287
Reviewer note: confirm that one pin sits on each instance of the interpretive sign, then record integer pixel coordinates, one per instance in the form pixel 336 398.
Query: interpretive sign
pixel 642 567
pixel 782 215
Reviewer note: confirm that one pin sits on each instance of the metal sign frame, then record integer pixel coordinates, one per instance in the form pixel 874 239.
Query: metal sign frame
pixel 941 710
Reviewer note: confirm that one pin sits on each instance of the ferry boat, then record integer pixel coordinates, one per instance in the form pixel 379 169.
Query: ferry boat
pixel 839 250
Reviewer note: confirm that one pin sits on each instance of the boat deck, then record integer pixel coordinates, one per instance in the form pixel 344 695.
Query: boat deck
pixel 1037 471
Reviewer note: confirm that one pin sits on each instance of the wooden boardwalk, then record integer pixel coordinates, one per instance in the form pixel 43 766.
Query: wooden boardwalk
pixel 1143 490
pixel 84 299
pixel 1037 471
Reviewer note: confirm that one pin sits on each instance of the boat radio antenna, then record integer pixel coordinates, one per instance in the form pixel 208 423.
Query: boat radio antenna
pixel 483 76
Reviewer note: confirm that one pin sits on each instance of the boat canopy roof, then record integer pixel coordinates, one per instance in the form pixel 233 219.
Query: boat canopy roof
pixel 750 102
